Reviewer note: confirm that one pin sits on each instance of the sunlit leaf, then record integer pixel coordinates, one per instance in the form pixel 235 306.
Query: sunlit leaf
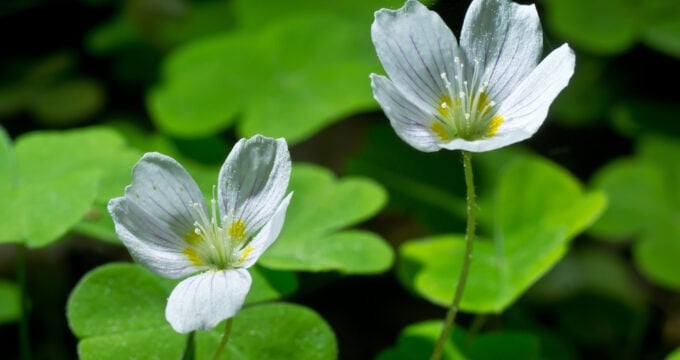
pixel 52 184
pixel 313 238
pixel 117 312
pixel 526 242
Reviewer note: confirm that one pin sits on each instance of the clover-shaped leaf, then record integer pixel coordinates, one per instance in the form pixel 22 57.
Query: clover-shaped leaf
pixel 51 179
pixel 312 238
pixel 117 312
pixel 537 209
pixel 275 76
pixel 644 206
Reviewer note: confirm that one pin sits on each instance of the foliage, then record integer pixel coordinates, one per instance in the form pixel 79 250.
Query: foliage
pixel 373 239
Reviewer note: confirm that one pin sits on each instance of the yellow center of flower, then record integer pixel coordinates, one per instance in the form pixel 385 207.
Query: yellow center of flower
pixel 465 110
pixel 212 244
pixel 237 230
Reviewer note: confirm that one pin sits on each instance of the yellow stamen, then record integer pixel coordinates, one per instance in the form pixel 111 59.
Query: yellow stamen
pixel 495 122
pixel 192 255
pixel 482 102
pixel 237 230
pixel 439 130
pixel 444 106
pixel 193 238
pixel 245 253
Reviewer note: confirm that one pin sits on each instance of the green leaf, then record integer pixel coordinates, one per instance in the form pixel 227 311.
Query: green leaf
pixel 117 311
pixel 635 191
pixel 599 26
pixel 312 238
pixel 68 102
pixel 273 331
pixel 52 179
pixel 527 240
pixel 675 355
pixel 48 191
pixel 10 302
pixel 592 271
pixel 417 341
pixel 274 76
pixel 645 202
pixel 663 30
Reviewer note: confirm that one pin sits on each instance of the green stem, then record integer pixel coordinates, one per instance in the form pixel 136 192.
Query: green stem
pixel 469 238
pixel 24 342
pixel 225 339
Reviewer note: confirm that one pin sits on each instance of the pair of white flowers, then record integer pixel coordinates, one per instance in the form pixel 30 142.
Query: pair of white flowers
pixel 489 92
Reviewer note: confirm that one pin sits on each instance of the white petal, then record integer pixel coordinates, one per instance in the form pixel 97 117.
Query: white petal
pixel 507 41
pixel 253 180
pixel 415 47
pixel 203 301
pixel 473 146
pixel 270 231
pixel 149 244
pixel 154 216
pixel 526 108
pixel 409 121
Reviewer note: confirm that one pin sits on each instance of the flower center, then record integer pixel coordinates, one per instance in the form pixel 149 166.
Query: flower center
pixel 216 243
pixel 465 110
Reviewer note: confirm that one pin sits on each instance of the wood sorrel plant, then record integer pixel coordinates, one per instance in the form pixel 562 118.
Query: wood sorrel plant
pixel 489 92
pixel 165 223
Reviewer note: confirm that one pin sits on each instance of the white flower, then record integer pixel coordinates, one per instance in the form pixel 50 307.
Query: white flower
pixel 488 93
pixel 165 223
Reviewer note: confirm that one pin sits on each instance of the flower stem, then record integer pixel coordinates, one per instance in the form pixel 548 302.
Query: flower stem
pixel 225 339
pixel 469 238
pixel 24 340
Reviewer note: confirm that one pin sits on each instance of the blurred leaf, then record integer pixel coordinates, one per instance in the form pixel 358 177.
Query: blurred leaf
pixel 528 240
pixel 10 302
pixel 274 77
pixel 645 203
pixel 602 322
pixel 313 238
pixel 68 102
pixel 586 100
pixel 590 271
pixel 613 26
pixel 635 117
pixel 599 26
pixel 252 14
pixel 417 341
pixel 675 355
pixel 634 190
pixel 161 24
pixel 663 30
pixel 117 312
pixel 51 95
pixel 427 185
